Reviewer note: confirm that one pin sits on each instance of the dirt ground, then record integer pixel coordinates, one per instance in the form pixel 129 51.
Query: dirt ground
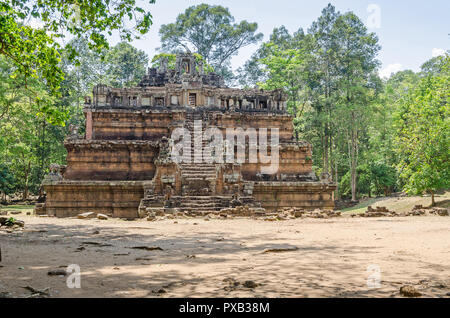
pixel 199 258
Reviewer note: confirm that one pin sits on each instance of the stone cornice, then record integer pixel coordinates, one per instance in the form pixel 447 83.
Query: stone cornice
pixel 111 145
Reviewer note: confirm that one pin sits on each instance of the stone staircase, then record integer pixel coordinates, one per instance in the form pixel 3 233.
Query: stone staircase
pixel 202 205
pixel 198 194
pixel 198 179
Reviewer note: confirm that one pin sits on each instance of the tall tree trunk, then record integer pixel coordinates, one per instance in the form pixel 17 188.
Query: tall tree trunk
pixel 353 156
pixel 325 154
pixel 433 202
pixel 353 175
pixel 27 173
pixel 336 179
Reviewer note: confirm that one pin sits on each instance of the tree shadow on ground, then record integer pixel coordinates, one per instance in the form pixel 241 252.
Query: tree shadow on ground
pixel 190 264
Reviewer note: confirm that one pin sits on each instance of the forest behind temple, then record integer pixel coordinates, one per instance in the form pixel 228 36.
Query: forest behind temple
pixel 373 135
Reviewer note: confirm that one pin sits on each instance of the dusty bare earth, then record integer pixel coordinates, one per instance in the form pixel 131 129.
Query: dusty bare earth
pixel 329 258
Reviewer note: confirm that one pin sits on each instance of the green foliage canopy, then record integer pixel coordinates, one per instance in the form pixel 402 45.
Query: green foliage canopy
pixel 210 31
pixel 423 133
pixel 34 51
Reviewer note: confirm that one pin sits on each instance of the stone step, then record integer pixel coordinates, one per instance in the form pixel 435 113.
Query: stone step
pixel 197 165
pixel 201 205
pixel 198 179
pixel 204 198
pixel 199 168
pixel 200 209
pixel 198 174
pixel 196 170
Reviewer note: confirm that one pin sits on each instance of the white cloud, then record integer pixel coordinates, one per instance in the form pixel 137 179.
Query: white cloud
pixel 437 52
pixel 391 68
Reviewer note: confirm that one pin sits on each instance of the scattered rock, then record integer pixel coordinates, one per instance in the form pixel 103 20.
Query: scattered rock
pixel 38 293
pixel 19 223
pixel 280 250
pixel 379 211
pixel 15 212
pixel 5 295
pixel 440 211
pixel 87 215
pixel 190 256
pixel 409 291
pixel 250 284
pixel 232 284
pixel 3 212
pixel 101 216
pixel 57 272
pixel 96 243
pixel 147 248
pixel 143 259
pixel 3 220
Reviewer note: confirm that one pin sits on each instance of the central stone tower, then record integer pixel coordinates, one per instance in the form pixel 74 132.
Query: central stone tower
pixel 124 165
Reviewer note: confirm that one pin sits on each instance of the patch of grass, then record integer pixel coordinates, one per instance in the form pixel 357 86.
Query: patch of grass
pixel 22 208
pixel 400 204
pixel 362 206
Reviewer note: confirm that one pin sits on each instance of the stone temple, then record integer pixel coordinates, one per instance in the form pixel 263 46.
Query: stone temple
pixel 124 165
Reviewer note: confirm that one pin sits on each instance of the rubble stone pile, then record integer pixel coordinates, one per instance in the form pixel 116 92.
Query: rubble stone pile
pixel 302 213
pixel 418 210
pixel 379 211
pixel 440 211
pixel 249 211
pixel 11 224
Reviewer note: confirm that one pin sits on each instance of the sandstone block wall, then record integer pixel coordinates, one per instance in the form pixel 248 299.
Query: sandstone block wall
pixel 115 199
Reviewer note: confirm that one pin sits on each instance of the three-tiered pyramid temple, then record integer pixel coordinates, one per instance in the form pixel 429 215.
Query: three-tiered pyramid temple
pixel 124 165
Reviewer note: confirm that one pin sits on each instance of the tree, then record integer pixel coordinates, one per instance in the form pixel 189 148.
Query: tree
pixel 423 134
pixel 35 51
pixel 254 71
pixel 330 77
pixel 211 32
pixel 126 65
pixel 6 181
pixel 358 84
pixel 322 78
pixel 284 69
pixel 433 66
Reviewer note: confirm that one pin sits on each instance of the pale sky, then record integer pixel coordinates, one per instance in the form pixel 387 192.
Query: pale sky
pixel 410 31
